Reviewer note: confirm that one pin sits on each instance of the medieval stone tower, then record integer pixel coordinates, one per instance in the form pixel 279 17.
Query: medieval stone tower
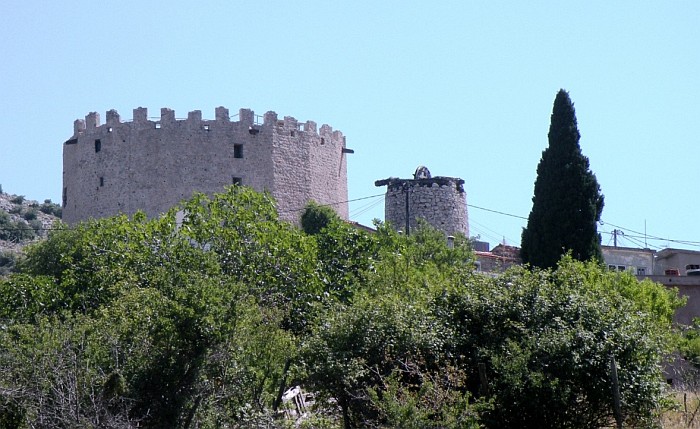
pixel 151 164
pixel 441 201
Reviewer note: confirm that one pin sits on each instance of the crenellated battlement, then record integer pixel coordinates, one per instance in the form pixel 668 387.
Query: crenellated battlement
pixel 151 163
pixel 194 120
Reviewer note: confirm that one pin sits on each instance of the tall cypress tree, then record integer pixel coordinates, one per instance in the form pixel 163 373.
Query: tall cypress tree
pixel 567 202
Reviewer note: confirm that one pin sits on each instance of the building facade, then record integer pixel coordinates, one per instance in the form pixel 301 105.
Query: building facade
pixel 151 164
pixel 640 262
pixel 681 262
pixel 497 260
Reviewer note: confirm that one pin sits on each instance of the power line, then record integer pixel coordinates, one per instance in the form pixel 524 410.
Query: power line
pixel 335 203
pixel 652 237
pixel 363 209
pixel 496 211
pixel 480 227
pixel 367 207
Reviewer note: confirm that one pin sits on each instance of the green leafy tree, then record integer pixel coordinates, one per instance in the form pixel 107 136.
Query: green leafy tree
pixel 276 260
pixel 316 217
pixel 346 258
pixel 545 340
pixel 130 322
pixel 567 202
pixel 187 327
pixel 372 350
pixel 356 347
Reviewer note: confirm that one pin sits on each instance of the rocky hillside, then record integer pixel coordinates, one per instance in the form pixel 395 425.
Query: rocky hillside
pixel 22 221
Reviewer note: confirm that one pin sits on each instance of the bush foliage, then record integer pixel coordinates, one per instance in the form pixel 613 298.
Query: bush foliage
pixel 129 322
pixel 15 231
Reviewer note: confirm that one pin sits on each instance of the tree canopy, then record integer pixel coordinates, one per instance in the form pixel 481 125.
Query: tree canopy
pixel 129 322
pixel 567 202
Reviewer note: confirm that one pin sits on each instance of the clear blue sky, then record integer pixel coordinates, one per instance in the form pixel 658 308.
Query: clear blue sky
pixel 465 88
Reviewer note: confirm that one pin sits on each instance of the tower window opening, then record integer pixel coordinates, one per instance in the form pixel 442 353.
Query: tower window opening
pixel 236 180
pixel 102 181
pixel 238 151
pixel 98 145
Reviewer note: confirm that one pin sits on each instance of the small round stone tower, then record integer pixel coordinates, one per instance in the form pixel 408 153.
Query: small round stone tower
pixel 441 201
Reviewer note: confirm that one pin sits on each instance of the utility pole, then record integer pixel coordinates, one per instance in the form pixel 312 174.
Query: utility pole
pixel 615 232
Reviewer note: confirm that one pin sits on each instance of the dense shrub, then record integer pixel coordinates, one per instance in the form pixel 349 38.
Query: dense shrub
pixel 29 214
pixel 14 231
pixel 51 208
pixel 546 340
pixel 145 323
pixel 37 226
pixel 316 217
pixel 7 263
pixel 17 199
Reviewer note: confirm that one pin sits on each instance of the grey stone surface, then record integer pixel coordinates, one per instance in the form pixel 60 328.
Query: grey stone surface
pixel 151 164
pixel 441 201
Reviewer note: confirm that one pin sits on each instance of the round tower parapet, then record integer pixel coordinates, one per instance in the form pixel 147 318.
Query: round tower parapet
pixel 440 201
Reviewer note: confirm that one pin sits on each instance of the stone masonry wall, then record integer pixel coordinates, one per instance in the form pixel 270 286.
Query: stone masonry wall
pixel 151 164
pixel 441 201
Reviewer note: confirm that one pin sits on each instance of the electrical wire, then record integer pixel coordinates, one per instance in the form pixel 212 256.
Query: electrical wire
pixel 497 238
pixel 655 238
pixel 364 209
pixel 496 211
pixel 634 237
pixel 334 204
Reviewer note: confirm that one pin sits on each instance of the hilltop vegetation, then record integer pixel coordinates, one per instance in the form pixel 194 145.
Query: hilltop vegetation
pixel 21 222
pixel 129 322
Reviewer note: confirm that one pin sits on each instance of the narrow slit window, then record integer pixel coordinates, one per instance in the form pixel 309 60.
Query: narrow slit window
pixel 291 133
pixel 238 151
pixel 323 141
pixel 102 181
pixel 98 145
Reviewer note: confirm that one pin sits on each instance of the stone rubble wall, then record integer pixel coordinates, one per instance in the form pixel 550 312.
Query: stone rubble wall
pixel 153 164
pixel 441 201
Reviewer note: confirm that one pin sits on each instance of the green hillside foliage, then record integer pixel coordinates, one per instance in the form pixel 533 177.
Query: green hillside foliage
pixel 129 322
pixel 14 231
